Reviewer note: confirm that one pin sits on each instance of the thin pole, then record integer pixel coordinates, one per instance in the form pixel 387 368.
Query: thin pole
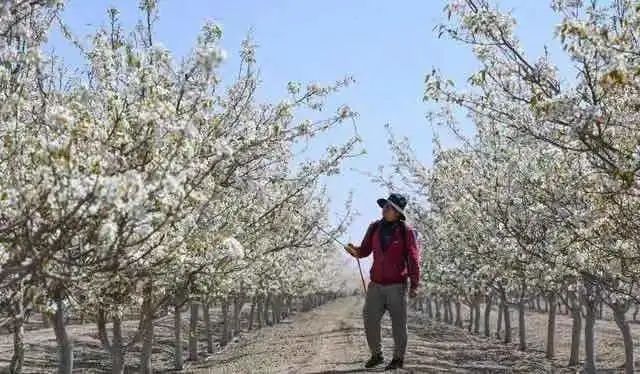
pixel 364 286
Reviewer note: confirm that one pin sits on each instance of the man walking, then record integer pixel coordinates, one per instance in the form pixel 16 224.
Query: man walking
pixel 395 258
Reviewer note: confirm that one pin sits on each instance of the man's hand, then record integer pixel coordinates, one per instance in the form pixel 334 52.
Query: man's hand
pixel 352 249
pixel 413 293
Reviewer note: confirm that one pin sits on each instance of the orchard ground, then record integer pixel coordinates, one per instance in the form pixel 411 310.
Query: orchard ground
pixel 330 339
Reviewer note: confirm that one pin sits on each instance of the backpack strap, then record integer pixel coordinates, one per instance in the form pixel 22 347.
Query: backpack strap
pixel 405 231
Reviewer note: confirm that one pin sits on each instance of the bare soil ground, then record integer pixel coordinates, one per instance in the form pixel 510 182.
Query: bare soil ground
pixel 89 355
pixel 608 340
pixel 330 339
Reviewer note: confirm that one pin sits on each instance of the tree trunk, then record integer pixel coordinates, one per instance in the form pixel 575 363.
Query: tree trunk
pixel 551 328
pixel 471 311
pixel 601 311
pixel 589 335
pixel 65 347
pixel 507 322
pixel 274 309
pixel 178 362
pixel 438 311
pixel 476 314
pixel 576 329
pixel 285 307
pixel 458 314
pixel 260 312
pixel 267 303
pixel 635 312
pixel 224 339
pixel 421 306
pixel 252 313
pixel 207 326
pixel 17 360
pixel 522 333
pixel 147 328
pixel 101 323
pixel 447 317
pixel 193 332
pixel 619 311
pixel 449 306
pixel 445 311
pixel 429 309
pixel 238 302
pixel 487 317
pixel 559 307
pixel 538 306
pixel 448 311
pixel 117 348
pixel 500 317
pixel 280 304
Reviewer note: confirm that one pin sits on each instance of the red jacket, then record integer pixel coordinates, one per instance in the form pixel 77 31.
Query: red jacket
pixel 401 260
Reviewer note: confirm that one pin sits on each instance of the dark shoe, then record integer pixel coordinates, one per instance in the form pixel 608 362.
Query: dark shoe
pixel 374 361
pixel 396 363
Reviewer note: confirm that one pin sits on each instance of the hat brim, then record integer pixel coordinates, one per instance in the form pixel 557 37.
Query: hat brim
pixel 383 202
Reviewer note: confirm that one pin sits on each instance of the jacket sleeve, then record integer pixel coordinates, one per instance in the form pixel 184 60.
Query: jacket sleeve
pixel 413 260
pixel 365 246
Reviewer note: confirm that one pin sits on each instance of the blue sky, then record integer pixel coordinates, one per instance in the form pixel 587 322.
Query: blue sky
pixel 387 46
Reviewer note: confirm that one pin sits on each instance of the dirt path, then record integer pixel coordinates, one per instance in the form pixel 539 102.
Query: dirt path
pixel 330 339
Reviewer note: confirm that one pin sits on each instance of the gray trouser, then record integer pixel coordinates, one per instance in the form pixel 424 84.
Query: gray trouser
pixel 380 299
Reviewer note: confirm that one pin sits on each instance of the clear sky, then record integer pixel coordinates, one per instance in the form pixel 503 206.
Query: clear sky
pixel 387 46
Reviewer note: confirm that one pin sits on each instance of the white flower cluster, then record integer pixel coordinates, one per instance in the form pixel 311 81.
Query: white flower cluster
pixel 144 180
pixel 539 202
pixel 233 248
